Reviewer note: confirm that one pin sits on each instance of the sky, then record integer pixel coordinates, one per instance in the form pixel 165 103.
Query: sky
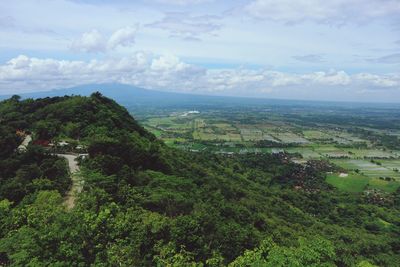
pixel 337 50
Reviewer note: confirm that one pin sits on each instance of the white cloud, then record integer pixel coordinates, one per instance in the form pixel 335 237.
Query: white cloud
pixel 90 42
pixel 123 37
pixel 24 73
pixel 328 78
pixel 258 80
pixel 168 63
pixel 381 81
pixel 94 42
pixel 168 72
pixel 334 12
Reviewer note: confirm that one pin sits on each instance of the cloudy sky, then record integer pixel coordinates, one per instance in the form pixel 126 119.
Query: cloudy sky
pixel 298 49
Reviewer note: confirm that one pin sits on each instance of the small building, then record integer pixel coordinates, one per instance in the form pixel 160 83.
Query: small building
pixel 83 156
pixel 41 142
pixel 63 143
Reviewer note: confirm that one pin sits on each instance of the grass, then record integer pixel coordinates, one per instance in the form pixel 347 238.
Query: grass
pixel 367 168
pixel 350 137
pixel 289 138
pixel 358 183
pixel 314 134
pixel 224 126
pixel 388 186
pixel 154 131
pixel 306 152
pixel 351 183
pixel 353 164
pixel 234 137
pixel 325 148
pixel 251 134
pixel 269 138
pixel 372 153
pixel 391 164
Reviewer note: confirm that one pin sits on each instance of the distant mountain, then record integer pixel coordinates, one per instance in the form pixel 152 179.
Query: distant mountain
pixel 124 94
pixel 129 96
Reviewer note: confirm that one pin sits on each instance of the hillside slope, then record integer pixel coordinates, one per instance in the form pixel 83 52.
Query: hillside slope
pixel 144 204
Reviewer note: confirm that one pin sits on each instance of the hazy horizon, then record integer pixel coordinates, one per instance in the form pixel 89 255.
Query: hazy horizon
pixel 129 96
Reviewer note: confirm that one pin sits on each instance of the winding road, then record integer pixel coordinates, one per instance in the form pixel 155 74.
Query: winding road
pixel 77 182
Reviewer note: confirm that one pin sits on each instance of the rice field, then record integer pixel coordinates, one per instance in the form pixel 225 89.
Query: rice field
pixel 316 135
pixel 290 138
pixel 367 168
pixel 331 151
pixel 350 137
pixel 307 153
pixel 371 153
pixel 390 164
pixel 251 134
pixel 311 143
pixel 336 154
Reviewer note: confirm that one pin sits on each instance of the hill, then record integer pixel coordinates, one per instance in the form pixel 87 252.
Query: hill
pixel 144 204
pixel 128 95
pixel 124 94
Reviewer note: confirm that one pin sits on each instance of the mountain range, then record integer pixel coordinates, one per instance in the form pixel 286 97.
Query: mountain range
pixel 128 95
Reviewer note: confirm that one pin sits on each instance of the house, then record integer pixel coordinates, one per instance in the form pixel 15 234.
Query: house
pixel 63 143
pixel 20 133
pixel 41 142
pixel 80 147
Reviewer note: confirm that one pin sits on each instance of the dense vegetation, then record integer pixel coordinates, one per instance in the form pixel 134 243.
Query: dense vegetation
pixel 145 204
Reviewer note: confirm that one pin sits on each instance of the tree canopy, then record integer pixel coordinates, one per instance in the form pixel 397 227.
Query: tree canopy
pixel 145 204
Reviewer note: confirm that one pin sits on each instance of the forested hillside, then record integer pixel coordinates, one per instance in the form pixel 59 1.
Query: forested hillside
pixel 145 204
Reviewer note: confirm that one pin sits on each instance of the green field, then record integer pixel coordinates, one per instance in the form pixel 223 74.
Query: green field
pixel 289 138
pixel 370 173
pixel 368 167
pixel 351 183
pixel 317 135
pixel 358 183
pixel 371 153
pixel 390 164
pixel 306 152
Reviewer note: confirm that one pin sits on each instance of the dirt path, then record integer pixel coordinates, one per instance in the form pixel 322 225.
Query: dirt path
pixel 77 182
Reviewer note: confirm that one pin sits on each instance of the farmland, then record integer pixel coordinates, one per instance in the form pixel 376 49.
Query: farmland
pixel 364 158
